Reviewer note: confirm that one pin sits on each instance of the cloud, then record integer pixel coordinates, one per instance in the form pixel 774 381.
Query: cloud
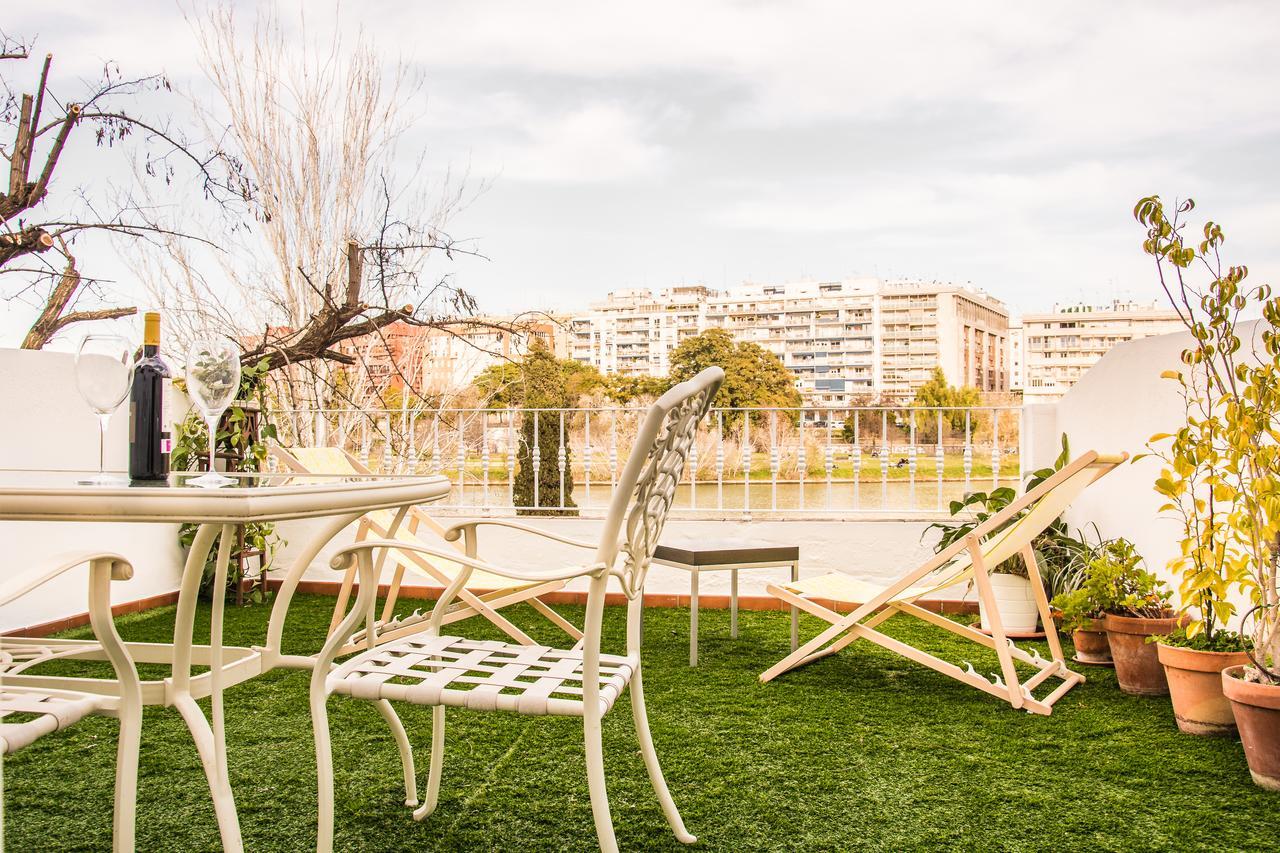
pixel 593 143
pixel 989 141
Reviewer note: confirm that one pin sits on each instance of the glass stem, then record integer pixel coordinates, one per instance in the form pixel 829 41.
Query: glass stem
pixel 213 441
pixel 102 442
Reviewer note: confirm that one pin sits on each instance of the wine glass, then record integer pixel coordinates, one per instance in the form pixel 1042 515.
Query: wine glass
pixel 213 378
pixel 104 368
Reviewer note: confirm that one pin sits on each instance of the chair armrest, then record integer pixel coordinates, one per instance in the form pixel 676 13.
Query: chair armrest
pixel 468 528
pixel 342 560
pixel 121 570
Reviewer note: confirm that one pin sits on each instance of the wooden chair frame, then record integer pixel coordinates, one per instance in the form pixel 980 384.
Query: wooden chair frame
pixel 408 521
pixel 985 547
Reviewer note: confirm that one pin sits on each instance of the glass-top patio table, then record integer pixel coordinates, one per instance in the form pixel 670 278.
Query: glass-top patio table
pixel 256 498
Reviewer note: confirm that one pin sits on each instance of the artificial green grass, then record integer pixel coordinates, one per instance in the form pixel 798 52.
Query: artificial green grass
pixel 861 750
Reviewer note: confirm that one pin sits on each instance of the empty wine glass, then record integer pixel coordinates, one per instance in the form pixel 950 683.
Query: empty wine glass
pixel 104 368
pixel 213 377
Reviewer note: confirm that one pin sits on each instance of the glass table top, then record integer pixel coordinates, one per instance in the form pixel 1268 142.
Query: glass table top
pixel 58 495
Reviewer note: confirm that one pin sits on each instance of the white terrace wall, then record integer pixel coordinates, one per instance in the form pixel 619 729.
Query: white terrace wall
pixel 46 426
pixel 873 550
pixel 1119 404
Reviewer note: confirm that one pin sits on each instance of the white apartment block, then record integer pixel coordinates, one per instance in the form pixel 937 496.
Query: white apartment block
pixel 846 341
pixel 1017 356
pixel 1060 346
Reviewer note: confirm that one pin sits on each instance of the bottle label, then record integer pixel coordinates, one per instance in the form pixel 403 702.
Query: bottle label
pixel 166 416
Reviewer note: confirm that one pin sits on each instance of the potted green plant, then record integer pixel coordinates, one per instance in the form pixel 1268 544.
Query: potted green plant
pixel 1134 604
pixel 1083 611
pixel 1220 473
pixel 1057 552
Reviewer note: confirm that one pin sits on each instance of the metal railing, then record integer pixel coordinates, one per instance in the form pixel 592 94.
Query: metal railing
pixel 822 462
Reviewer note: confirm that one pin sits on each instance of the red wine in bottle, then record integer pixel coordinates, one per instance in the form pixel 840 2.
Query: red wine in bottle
pixel 149 438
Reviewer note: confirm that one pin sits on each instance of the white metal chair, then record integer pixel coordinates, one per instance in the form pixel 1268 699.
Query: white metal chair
pixel 29 709
pixel 451 671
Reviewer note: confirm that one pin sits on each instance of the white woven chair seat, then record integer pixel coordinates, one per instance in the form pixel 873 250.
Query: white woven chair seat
pixel 49 711
pixel 483 675
pixel 15 657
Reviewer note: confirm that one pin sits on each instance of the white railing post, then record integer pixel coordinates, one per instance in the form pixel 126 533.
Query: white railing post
pixel 829 458
pixel 536 453
pixel 968 447
pixel 939 459
pixel 746 464
pixel 510 457
pixel 884 460
pixel 388 459
pixel 562 458
pixel 775 460
pixel 802 460
pixel 857 461
pixel 364 441
pixel 720 460
pixel 484 461
pixel 911 460
pixel 586 458
pixel 995 448
pixel 613 449
pixel 693 471
pixel 462 455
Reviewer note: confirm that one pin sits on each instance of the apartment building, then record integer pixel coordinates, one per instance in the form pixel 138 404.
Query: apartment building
pixel 438 360
pixel 1017 356
pixel 924 326
pixel 1058 347
pixel 846 341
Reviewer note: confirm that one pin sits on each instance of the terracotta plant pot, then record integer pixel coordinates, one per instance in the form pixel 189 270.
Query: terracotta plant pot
pixel 1090 640
pixel 1195 686
pixel 1257 710
pixel 1138 668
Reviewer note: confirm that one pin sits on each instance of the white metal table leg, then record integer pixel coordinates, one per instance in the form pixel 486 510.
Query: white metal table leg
pixel 209 739
pixel 693 618
pixel 795 612
pixel 733 604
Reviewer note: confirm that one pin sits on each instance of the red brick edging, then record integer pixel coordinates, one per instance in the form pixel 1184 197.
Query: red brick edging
pixel 431 593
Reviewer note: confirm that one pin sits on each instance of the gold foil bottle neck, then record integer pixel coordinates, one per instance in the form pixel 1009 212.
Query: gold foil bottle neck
pixel 151 329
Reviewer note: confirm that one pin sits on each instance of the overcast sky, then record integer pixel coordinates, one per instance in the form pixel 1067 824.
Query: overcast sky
pixel 656 143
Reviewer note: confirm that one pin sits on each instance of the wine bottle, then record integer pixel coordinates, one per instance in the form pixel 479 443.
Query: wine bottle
pixel 149 437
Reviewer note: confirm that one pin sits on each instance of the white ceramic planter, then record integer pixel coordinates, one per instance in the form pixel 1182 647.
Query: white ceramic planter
pixel 1015 602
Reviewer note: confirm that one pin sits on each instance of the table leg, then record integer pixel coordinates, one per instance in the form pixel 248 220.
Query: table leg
pixel 271 654
pixel 210 739
pixel 693 618
pixel 795 612
pixel 733 603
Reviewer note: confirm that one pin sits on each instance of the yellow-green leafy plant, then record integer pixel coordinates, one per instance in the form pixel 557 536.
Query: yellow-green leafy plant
pixel 1221 471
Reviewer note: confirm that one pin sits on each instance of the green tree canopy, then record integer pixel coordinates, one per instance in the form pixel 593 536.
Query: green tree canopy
pixel 937 394
pixel 753 375
pixel 562 382
pixel 540 381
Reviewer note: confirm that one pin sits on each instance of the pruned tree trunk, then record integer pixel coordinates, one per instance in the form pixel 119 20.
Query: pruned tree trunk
pixel 53 319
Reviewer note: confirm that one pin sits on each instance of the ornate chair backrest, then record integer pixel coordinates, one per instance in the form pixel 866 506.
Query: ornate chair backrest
pixel 647 486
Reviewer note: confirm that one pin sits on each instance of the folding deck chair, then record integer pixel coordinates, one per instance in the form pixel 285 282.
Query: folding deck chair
pixel 1008 533
pixel 482 595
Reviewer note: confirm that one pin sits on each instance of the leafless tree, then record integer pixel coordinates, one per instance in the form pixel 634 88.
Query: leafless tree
pixel 39 229
pixel 342 233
